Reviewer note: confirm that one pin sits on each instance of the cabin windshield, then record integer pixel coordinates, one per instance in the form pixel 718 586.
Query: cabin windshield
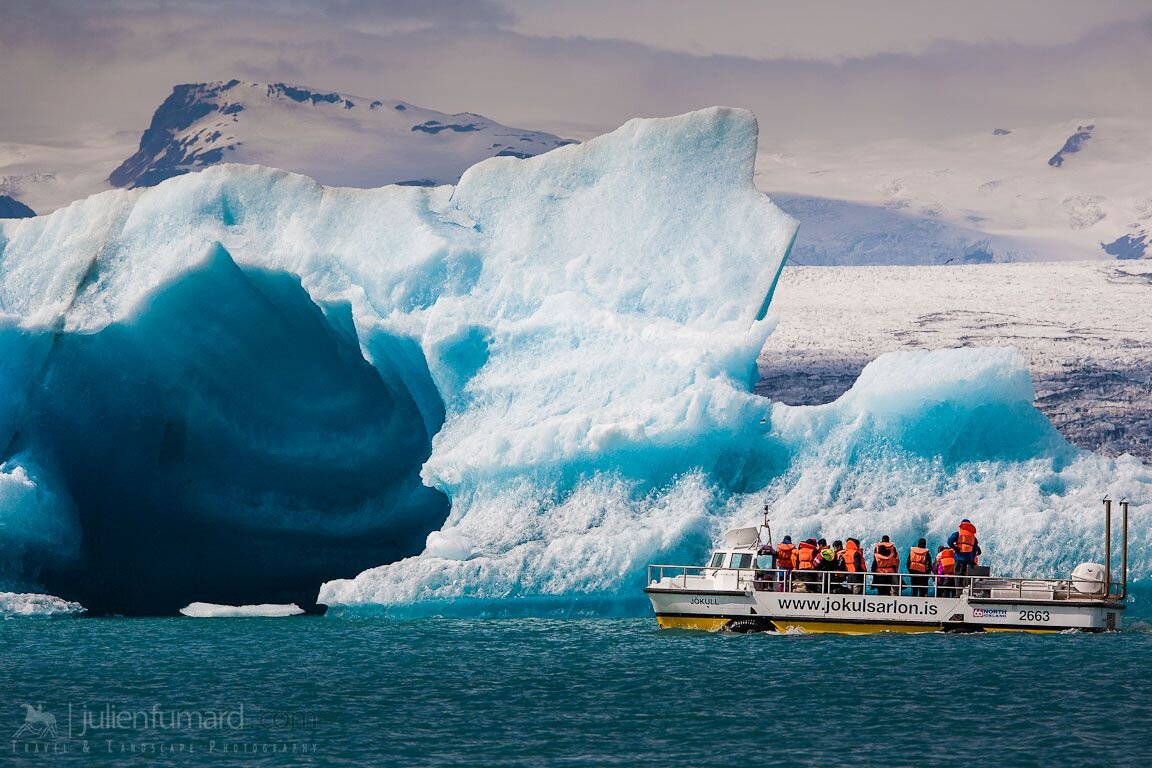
pixel 717 560
pixel 741 560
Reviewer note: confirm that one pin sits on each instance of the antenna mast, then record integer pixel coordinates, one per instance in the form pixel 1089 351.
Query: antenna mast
pixel 767 525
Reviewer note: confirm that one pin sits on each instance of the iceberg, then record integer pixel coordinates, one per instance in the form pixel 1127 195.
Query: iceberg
pixel 921 441
pixel 504 396
pixel 239 384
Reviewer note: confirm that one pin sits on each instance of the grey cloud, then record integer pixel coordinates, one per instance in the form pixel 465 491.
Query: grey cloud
pixel 555 82
pixel 449 12
pixel 828 29
pixel 60 27
pixel 339 12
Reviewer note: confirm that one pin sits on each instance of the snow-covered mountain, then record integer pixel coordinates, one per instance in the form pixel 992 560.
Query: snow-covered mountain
pixel 1074 190
pixel 1070 191
pixel 337 139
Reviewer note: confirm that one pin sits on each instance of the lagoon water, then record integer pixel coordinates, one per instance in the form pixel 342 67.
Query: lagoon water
pixel 379 692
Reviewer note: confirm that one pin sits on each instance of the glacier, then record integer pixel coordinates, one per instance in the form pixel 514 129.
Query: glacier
pixel 504 396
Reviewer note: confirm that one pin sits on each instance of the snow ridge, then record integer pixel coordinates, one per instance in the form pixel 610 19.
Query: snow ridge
pixel 335 138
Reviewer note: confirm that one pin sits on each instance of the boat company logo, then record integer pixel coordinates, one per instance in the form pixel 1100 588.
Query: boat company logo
pixel 989 613
pixel 38 724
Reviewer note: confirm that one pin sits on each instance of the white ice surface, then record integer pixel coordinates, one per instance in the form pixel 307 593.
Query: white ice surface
pixel 23 604
pixel 264 610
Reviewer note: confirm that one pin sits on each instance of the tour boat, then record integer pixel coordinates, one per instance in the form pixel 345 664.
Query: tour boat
pixel 736 592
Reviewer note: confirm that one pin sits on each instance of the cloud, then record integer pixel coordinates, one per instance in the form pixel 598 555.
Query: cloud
pixel 821 29
pixel 440 12
pixel 71 70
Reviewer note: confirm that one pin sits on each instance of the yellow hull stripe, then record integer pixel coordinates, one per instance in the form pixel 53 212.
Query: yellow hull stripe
pixel 708 623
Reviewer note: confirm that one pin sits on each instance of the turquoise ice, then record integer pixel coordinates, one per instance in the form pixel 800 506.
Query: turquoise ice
pixel 269 384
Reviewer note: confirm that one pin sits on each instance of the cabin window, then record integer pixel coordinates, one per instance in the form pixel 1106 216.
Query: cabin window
pixel 741 559
pixel 717 560
pixel 765 561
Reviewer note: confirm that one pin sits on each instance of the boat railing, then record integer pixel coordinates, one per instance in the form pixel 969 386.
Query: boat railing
pixel 1015 589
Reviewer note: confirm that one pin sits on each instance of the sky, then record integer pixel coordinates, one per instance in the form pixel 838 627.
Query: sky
pixel 844 72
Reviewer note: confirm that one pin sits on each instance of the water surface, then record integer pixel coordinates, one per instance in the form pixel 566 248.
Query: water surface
pixel 311 690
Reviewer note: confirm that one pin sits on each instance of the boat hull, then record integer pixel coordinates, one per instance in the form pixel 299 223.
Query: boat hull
pixel 767 611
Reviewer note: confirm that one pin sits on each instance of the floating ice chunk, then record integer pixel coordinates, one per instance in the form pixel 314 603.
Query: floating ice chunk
pixel 18 604
pixel 264 610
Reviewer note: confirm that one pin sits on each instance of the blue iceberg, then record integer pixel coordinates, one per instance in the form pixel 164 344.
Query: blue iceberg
pixel 503 396
pixel 226 437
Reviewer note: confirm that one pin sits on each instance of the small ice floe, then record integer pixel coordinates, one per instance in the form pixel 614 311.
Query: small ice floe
pixel 266 610
pixel 18 604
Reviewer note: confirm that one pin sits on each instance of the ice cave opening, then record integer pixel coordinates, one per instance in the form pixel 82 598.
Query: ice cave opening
pixel 228 443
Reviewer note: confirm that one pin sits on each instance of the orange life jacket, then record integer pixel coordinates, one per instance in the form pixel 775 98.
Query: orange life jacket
pixel 918 560
pixel 784 556
pixel 849 556
pixel 946 559
pixel 966 540
pixel 805 556
pixel 888 563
